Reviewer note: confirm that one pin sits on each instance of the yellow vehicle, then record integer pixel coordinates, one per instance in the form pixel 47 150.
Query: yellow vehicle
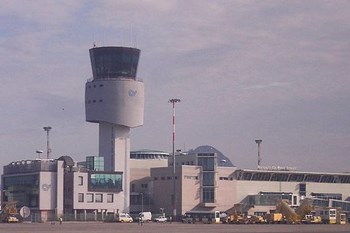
pixel 331 215
pixel 342 218
pixel 9 213
pixel 274 218
pixel 312 219
pixel 12 219
pixel 124 217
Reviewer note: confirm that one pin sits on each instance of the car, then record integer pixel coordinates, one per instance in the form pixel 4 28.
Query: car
pixel 161 219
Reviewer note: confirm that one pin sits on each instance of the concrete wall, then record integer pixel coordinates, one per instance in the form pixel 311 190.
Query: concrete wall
pixel 48 190
pixel 116 101
pixel 118 198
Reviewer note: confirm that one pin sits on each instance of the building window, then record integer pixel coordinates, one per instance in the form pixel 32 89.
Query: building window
pixel 80 197
pixel 89 197
pixel 191 177
pixel 302 189
pixel 110 198
pixel 208 178
pixel 144 186
pixel 99 197
pixel 208 195
pixel 80 180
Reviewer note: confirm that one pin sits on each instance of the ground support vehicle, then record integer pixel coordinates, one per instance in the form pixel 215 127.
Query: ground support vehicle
pixel 312 219
pixel 274 218
pixel 145 217
pixel 161 219
pixel 207 217
pixel 9 213
pixel 124 217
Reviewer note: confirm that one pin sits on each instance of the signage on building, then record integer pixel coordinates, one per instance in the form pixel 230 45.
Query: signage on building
pixel 277 168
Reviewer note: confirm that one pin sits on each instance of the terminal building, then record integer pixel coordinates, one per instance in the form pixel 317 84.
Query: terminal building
pixel 205 181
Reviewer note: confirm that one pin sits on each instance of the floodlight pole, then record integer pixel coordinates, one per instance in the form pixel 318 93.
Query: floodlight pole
pixel 173 101
pixel 259 141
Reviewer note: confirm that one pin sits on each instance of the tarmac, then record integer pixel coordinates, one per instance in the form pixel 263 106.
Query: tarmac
pixel 100 227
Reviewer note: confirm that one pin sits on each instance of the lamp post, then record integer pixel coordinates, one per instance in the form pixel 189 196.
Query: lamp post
pixel 174 202
pixel 259 141
pixel 141 202
pixel 39 152
pixel 47 129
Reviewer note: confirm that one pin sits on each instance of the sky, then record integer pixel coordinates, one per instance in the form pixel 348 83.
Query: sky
pixel 244 70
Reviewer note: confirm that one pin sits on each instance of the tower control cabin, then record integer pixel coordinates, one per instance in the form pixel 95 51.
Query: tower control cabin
pixel 114 98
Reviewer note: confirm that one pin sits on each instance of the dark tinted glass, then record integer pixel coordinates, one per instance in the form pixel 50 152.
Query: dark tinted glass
pixel 114 62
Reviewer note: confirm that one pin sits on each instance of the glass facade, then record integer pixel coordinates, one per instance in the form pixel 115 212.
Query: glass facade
pixel 24 189
pixel 95 163
pixel 114 62
pixel 291 177
pixel 327 196
pixel 344 205
pixel 208 163
pixel 105 182
pixel 269 199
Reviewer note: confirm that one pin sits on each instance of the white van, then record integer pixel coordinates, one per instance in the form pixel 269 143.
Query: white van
pixel 145 216
pixel 123 217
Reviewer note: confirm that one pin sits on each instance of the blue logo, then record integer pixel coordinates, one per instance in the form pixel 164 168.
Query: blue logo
pixel 132 92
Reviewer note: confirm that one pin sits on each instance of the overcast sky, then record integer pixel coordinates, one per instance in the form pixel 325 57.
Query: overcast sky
pixel 244 70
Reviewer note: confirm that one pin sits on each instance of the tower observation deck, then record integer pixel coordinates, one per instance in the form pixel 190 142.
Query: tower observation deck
pixel 114 98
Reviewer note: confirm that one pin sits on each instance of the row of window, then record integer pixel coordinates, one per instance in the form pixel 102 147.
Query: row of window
pixel 182 163
pixel 143 186
pixel 194 177
pixel 94 86
pixel 95 197
pixel 94 101
pixel 165 178
pixel 263 176
pixel 225 178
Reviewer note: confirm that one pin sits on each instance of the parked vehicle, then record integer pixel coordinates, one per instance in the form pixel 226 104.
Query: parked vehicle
pixel 145 216
pixel 201 217
pixel 123 217
pixel 161 219
pixel 312 219
pixel 9 213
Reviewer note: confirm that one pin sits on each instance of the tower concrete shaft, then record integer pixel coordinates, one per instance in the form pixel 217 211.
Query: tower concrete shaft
pixel 114 98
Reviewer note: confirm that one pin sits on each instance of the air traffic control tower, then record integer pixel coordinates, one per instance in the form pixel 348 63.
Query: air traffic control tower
pixel 114 98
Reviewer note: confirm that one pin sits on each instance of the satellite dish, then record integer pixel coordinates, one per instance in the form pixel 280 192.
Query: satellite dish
pixel 24 212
